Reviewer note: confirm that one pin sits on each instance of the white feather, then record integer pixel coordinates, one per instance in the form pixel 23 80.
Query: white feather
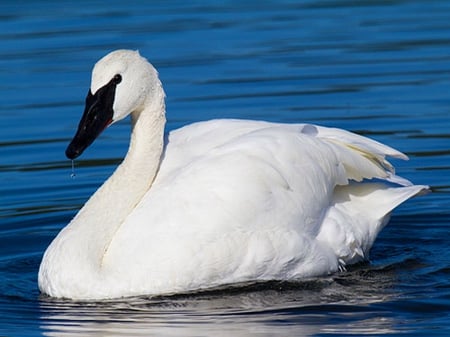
pixel 221 202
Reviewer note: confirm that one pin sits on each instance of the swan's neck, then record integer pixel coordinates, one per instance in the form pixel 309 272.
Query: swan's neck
pixel 120 194
pixel 84 243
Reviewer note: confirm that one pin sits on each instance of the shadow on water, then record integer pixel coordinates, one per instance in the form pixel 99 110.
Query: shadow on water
pixel 344 302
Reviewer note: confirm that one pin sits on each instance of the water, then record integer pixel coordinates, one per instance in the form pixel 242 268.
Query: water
pixel 379 68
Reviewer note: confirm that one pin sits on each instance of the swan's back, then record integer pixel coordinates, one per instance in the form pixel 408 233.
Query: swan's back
pixel 242 200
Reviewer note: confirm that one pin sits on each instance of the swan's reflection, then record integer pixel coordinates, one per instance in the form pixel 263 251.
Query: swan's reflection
pixel 341 304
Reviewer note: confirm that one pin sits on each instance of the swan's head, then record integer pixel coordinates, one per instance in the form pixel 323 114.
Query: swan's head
pixel 122 82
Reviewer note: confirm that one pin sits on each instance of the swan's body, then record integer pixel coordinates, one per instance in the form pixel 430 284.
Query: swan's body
pixel 223 201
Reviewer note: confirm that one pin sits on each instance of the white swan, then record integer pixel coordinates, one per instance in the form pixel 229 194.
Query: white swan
pixel 221 202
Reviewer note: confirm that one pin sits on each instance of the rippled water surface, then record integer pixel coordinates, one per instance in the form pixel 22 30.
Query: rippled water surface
pixel 379 68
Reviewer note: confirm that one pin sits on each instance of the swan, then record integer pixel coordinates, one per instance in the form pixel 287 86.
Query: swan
pixel 216 202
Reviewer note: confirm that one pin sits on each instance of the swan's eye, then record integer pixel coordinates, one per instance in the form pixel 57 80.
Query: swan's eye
pixel 117 79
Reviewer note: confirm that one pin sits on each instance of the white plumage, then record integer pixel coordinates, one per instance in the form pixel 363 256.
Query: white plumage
pixel 221 202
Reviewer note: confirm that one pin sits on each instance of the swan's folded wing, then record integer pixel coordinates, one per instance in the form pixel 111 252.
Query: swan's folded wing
pixel 362 157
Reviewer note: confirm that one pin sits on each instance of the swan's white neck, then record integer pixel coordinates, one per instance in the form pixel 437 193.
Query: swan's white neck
pixel 120 194
pixel 80 249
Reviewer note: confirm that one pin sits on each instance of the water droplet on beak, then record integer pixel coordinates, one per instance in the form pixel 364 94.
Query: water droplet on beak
pixel 72 174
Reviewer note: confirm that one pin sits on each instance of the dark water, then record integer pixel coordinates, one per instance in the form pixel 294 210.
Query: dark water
pixel 379 68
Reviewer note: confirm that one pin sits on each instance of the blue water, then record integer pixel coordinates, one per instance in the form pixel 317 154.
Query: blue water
pixel 378 68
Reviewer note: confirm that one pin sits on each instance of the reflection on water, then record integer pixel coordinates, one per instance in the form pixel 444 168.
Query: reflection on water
pixel 343 303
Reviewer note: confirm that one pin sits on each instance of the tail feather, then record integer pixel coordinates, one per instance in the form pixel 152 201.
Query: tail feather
pixel 358 213
pixel 360 208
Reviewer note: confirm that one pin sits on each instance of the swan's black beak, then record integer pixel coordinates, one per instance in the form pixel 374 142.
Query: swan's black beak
pixel 98 114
